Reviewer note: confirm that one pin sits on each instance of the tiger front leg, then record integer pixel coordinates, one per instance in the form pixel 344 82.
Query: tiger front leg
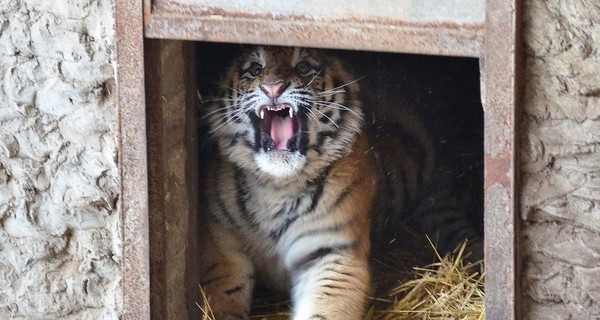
pixel 333 286
pixel 227 280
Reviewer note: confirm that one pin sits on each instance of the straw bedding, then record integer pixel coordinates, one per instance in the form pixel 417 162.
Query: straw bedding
pixel 449 288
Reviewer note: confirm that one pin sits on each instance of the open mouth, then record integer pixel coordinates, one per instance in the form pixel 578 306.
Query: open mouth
pixel 279 125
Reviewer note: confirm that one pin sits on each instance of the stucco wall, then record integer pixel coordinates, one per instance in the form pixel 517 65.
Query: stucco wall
pixel 561 160
pixel 59 181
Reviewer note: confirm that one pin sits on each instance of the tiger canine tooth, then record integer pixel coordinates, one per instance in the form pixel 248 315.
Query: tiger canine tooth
pixel 291 112
pixel 262 113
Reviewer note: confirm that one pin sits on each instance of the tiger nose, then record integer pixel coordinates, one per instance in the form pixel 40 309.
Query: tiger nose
pixel 273 90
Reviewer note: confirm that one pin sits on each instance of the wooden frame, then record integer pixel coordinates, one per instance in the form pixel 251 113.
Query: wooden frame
pixel 496 42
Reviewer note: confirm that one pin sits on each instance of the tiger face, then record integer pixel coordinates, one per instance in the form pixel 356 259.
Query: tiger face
pixel 286 111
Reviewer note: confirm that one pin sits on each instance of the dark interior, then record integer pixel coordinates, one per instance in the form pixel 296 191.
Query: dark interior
pixel 445 92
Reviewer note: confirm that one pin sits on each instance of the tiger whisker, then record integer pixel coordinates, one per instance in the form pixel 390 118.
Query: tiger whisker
pixel 335 105
pixel 329 93
pixel 220 121
pixel 313 79
pixel 235 90
pixel 221 126
pixel 331 120
pixel 312 116
pixel 344 85
pixel 250 103
pixel 234 116
pixel 218 110
pixel 219 99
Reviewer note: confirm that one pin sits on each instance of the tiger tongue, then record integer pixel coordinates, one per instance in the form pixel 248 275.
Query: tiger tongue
pixel 282 130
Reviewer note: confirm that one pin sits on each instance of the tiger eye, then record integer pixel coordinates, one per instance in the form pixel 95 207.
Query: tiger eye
pixel 255 69
pixel 252 71
pixel 303 68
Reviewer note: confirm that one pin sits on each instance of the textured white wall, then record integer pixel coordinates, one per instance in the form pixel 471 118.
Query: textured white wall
pixel 561 160
pixel 59 182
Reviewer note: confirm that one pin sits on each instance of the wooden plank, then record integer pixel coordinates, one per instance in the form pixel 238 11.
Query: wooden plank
pixel 173 177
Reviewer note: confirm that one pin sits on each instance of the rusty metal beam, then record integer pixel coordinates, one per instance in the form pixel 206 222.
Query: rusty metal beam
pixel 501 67
pixel 132 160
pixel 176 20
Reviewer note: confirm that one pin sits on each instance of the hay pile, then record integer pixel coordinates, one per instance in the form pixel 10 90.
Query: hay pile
pixel 446 289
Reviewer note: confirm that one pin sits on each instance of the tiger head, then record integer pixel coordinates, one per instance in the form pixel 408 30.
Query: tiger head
pixel 286 111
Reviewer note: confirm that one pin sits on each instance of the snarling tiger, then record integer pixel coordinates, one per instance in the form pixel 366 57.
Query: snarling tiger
pixel 299 184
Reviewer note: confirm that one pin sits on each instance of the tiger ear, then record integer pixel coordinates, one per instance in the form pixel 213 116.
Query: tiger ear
pixel 316 55
pixel 249 49
pixel 304 52
pixel 257 51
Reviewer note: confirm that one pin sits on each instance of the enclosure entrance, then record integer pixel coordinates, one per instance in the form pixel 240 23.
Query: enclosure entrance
pixel 440 92
pixel 493 40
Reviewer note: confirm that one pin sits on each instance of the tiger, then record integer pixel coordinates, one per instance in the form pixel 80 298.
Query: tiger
pixel 295 187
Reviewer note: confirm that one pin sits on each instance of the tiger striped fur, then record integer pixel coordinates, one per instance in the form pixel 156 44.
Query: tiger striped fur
pixel 295 188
